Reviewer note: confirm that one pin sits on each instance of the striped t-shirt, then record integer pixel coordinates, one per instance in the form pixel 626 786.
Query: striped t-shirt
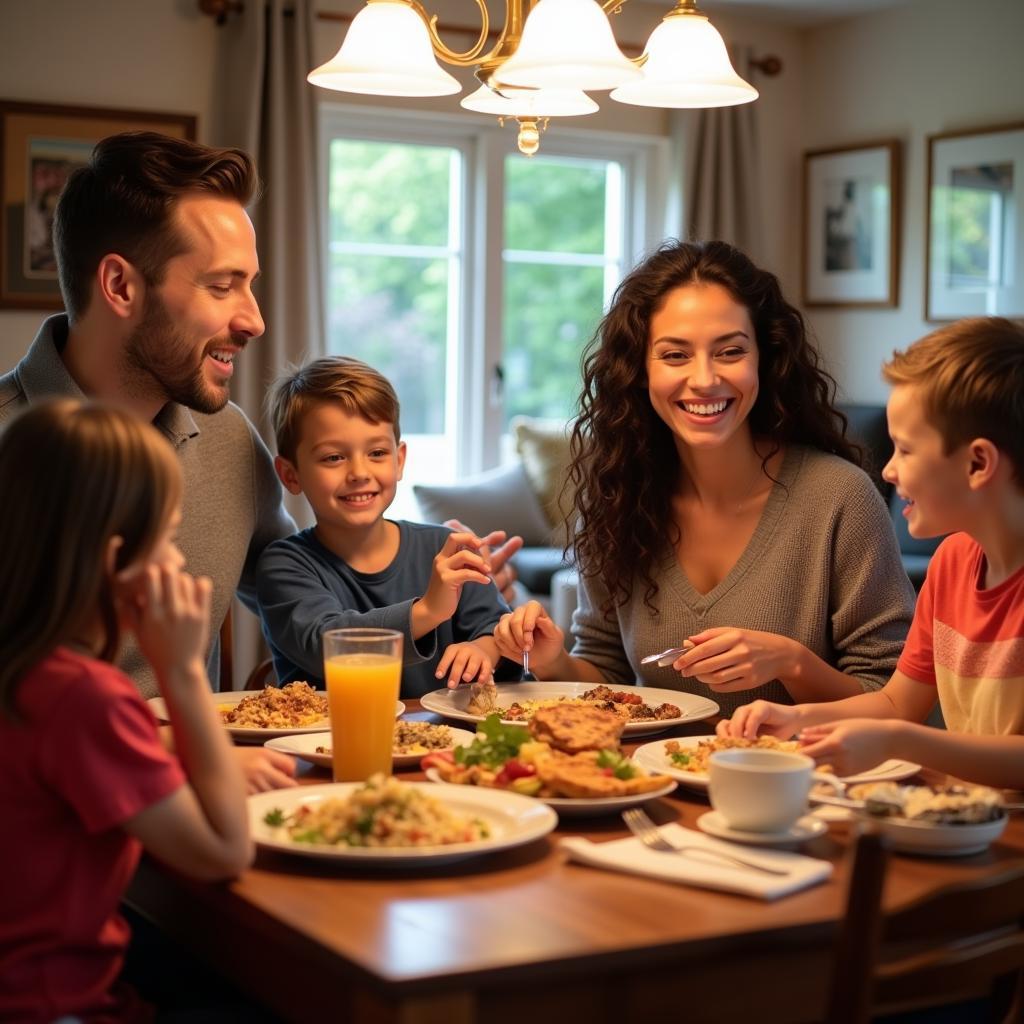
pixel 969 642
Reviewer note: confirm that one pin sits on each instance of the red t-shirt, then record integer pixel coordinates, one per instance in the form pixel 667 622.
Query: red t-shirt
pixel 968 641
pixel 85 758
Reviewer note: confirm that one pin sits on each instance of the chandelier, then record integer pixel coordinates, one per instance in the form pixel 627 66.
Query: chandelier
pixel 548 55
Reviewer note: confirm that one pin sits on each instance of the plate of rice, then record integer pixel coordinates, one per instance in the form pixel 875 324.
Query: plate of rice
pixel 412 741
pixel 685 758
pixel 253 716
pixel 388 823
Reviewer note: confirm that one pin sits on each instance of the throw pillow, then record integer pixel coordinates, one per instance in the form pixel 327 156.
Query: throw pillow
pixel 543 445
pixel 500 499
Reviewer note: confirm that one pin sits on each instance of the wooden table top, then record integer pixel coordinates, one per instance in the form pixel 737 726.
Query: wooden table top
pixel 476 939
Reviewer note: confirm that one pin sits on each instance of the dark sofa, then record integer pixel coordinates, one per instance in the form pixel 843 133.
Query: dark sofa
pixel 868 427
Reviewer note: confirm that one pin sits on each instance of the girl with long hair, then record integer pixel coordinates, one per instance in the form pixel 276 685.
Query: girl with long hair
pixel 91 501
pixel 718 505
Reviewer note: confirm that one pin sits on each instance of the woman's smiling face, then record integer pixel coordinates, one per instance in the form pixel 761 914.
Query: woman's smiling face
pixel 702 361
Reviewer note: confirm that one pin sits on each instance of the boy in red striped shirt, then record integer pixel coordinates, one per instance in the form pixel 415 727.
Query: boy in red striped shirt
pixel 956 418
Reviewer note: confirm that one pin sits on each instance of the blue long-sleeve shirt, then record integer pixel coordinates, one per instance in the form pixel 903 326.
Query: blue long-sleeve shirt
pixel 304 589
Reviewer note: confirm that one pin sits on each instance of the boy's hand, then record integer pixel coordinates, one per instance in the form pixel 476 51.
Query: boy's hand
pixel 529 628
pixel 455 565
pixel 464 663
pixel 265 769
pixel 503 572
pixel 760 718
pixel 851 746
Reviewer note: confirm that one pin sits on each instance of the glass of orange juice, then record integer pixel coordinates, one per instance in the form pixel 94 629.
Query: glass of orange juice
pixel 363 669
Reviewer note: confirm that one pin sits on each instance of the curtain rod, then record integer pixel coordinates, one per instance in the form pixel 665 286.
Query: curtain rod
pixel 220 9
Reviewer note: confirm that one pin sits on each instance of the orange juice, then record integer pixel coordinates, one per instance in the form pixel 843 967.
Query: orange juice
pixel 362 690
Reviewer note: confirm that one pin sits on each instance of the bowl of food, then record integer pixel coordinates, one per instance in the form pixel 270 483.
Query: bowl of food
pixel 939 821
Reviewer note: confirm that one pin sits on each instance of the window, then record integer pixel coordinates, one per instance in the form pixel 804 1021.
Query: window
pixel 471 276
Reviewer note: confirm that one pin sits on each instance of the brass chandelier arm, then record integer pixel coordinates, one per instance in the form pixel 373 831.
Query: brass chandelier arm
pixel 466 58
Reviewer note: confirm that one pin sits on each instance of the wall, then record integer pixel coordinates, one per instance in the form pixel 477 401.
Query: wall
pixel 161 55
pixel 927 67
pixel 148 55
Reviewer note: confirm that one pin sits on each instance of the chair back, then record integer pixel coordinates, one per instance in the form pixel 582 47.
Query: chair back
pixel 965 940
pixel 262 675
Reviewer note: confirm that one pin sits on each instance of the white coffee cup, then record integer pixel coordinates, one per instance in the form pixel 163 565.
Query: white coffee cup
pixel 758 790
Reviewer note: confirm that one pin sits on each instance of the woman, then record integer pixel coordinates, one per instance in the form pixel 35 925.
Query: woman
pixel 718 502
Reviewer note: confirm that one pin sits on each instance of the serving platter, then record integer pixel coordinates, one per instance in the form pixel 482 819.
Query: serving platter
pixel 572 807
pixel 513 820
pixel 654 758
pixel 230 698
pixel 305 744
pixel 454 703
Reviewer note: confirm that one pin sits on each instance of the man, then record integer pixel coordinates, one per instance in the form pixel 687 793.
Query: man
pixel 156 257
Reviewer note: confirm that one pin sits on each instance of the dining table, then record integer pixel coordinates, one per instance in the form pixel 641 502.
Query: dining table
pixel 524 935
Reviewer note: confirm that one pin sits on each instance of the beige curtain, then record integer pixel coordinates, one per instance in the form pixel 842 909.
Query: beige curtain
pixel 268 109
pixel 715 153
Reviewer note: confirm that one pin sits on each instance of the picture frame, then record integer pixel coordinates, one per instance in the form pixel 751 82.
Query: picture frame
pixel 974 234
pixel 40 145
pixel 851 225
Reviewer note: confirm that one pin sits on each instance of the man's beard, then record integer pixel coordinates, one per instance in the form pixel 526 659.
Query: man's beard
pixel 158 358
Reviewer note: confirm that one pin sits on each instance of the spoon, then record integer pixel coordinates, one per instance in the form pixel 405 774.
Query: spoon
pixel 665 658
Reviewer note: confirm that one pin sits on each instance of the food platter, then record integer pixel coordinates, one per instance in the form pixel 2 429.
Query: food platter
pixel 654 758
pixel 693 708
pixel 251 735
pixel 568 807
pixel 513 821
pixel 932 839
pixel 305 744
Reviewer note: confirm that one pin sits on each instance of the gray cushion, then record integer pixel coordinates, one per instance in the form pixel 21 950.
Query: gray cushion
pixel 536 566
pixel 500 499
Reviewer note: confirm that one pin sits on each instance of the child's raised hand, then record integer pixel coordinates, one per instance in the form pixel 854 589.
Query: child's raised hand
pixel 169 612
pixel 464 663
pixel 529 628
pixel 455 565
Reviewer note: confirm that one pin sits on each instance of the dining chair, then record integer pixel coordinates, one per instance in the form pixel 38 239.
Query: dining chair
pixel 259 677
pixel 961 942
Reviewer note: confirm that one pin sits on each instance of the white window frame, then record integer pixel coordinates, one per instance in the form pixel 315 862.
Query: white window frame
pixel 471 394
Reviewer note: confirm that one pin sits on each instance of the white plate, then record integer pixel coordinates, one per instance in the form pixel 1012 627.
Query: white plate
pixel 693 708
pixel 804 829
pixel 582 807
pixel 159 708
pixel 653 757
pixel 934 840
pixel 513 820
pixel 304 746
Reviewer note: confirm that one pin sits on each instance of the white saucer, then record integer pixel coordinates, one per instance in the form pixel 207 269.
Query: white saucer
pixel 806 828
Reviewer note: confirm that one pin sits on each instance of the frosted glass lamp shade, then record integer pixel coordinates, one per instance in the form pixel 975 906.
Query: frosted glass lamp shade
pixel 386 52
pixel 530 103
pixel 567 44
pixel 687 66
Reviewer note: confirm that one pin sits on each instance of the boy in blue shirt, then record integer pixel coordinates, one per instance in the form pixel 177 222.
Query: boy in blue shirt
pixel 338 442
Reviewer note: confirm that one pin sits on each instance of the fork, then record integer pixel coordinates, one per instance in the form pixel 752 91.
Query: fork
pixel 528 676
pixel 648 833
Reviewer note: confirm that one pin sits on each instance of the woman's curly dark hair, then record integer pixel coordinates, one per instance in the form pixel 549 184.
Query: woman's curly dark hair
pixel 620 447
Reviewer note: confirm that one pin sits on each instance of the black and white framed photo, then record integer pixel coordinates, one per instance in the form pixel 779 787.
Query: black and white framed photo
pixel 975 224
pixel 851 225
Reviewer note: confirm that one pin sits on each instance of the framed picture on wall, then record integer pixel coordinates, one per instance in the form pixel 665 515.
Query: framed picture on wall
pixel 851 225
pixel 975 224
pixel 40 145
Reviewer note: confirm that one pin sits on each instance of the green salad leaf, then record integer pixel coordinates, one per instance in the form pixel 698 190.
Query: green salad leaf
pixel 621 766
pixel 495 743
pixel 274 818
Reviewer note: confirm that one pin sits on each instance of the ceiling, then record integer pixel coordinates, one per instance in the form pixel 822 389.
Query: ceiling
pixel 798 12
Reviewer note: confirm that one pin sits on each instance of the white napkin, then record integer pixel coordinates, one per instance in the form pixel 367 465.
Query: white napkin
pixel 631 855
